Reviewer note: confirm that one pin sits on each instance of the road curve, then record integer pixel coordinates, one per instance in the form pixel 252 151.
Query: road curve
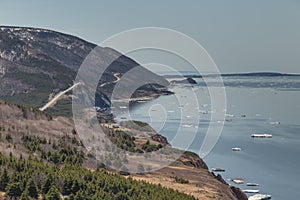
pixel 116 75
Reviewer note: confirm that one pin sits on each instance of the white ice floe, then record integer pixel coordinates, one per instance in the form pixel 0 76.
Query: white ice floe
pixel 236 149
pixel 251 191
pixel 274 123
pixel 187 126
pixel 229 115
pixel 260 197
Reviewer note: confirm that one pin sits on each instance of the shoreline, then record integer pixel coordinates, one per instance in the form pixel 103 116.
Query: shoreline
pixel 164 181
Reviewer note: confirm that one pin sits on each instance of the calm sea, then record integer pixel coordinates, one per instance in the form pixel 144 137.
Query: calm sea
pixel 253 105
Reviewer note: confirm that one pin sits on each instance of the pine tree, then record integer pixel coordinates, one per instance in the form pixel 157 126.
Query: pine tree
pixel 79 195
pixel 67 188
pixel 47 185
pixel 25 195
pixel 32 189
pixel 75 187
pixel 13 190
pixel 53 193
pixel 4 179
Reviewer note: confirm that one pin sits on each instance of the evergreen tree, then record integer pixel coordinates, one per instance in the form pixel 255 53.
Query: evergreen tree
pixel 25 195
pixel 4 179
pixel 32 189
pixel 67 187
pixel 75 187
pixel 47 185
pixel 79 195
pixel 53 193
pixel 13 190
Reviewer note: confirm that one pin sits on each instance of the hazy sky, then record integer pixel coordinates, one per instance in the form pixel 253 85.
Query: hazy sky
pixel 253 35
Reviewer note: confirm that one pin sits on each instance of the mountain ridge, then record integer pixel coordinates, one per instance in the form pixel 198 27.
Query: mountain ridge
pixel 35 63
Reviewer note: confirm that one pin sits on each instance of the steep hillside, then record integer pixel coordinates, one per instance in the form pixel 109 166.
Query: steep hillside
pixel 52 147
pixel 35 64
pixel 42 158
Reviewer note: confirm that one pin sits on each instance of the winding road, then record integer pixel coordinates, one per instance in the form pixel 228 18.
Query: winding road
pixel 57 97
pixel 116 75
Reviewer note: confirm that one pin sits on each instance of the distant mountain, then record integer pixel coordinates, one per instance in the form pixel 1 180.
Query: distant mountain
pixel 35 63
pixel 261 74
pixel 255 74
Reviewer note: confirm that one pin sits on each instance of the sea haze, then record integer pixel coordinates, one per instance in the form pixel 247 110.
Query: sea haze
pixel 254 103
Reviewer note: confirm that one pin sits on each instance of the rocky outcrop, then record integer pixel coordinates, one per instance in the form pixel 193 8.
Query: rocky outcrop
pixel 237 192
pixel 160 139
pixel 192 159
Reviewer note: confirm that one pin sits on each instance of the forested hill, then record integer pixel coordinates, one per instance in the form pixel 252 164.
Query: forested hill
pixel 43 156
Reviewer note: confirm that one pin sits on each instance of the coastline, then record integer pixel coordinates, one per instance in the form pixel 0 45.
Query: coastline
pixel 202 183
pixel 162 177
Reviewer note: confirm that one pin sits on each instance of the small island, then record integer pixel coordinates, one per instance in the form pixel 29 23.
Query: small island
pixel 184 81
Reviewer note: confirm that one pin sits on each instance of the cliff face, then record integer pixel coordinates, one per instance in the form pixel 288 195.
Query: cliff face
pixel 229 192
pixel 36 62
pixel 239 194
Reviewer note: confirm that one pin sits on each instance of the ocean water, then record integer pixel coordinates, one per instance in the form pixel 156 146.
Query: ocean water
pixel 253 103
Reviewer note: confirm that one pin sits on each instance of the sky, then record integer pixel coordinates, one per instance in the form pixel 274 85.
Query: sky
pixel 240 36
